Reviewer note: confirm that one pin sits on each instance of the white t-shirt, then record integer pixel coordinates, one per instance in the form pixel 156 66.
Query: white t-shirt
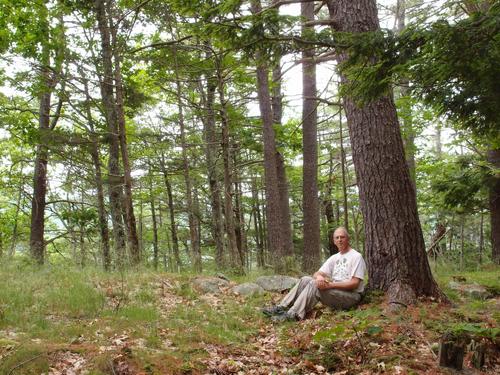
pixel 343 267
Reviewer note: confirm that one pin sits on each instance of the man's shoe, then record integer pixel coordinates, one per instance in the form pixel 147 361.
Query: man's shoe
pixel 273 310
pixel 285 317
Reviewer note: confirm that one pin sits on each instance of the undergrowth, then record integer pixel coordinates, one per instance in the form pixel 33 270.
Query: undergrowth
pixel 156 323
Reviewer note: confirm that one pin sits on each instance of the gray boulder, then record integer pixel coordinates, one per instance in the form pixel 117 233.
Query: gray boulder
pixel 212 285
pixel 475 291
pixel 248 289
pixel 276 283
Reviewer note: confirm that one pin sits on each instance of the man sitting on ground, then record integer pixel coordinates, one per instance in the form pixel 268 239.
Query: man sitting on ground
pixel 337 284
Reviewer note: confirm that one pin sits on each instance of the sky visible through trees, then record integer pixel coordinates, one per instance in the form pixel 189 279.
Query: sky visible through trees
pixel 172 132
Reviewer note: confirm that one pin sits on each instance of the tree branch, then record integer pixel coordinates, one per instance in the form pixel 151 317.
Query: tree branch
pixel 162 44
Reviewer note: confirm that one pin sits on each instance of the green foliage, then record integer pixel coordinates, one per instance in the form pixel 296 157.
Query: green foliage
pixel 454 67
pixel 459 183
pixel 475 330
pixel 34 358
pixel 349 324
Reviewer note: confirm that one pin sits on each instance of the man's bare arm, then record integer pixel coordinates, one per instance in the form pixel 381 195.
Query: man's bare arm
pixel 341 285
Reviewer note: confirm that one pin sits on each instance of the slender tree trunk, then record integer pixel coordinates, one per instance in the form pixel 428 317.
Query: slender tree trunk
pixel 211 150
pixel 133 240
pixel 140 227
pixel 311 251
pixel 481 239
pixel 329 209
pixel 277 113
pixel 259 238
pixel 153 218
pixel 355 230
pixel 274 219
pixel 462 242
pixel 232 245
pixel 438 144
pixel 241 238
pixel 96 161
pixel 115 178
pixel 494 205
pixel 15 233
pixel 173 225
pixel 193 227
pixel 343 162
pixel 37 228
pixel 395 247
pixel 285 215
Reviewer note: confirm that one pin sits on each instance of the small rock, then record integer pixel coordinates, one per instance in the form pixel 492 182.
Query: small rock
pixel 276 283
pixel 209 284
pixel 248 289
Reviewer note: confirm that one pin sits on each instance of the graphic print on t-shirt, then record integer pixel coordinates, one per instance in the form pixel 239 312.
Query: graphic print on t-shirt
pixel 341 270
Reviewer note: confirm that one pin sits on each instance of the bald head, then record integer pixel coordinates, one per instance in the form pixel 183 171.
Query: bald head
pixel 341 239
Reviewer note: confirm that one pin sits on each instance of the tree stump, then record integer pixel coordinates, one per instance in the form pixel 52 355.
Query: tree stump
pixel 451 351
pixel 478 354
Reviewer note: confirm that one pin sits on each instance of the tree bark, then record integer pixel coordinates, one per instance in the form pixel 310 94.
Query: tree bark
pixel 408 130
pixel 38 202
pixel 257 221
pixel 274 217
pixel 481 239
pixel 153 218
pixel 239 216
pixel 343 162
pixel 232 245
pixel 494 205
pixel 211 150
pixel 395 248
pixel 193 225
pixel 131 225
pixel 15 233
pixel 115 178
pixel 311 251
pixel 96 161
pixel 329 209
pixel 277 110
pixel 171 210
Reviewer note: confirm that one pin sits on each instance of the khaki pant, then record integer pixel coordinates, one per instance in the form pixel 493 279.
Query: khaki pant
pixel 305 295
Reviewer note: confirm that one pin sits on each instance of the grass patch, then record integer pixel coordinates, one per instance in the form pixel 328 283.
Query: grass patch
pixel 26 361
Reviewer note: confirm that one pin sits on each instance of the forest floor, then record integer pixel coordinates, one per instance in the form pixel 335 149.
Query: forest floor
pixel 60 320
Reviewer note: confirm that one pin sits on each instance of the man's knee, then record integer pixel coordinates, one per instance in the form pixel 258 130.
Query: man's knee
pixel 307 280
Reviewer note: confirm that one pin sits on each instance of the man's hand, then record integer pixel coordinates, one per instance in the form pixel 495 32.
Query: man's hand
pixel 323 284
pixel 322 281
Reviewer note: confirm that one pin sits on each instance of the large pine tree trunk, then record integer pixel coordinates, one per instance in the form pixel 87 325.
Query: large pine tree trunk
pixel 494 201
pixel 114 174
pixel 395 249
pixel 311 252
